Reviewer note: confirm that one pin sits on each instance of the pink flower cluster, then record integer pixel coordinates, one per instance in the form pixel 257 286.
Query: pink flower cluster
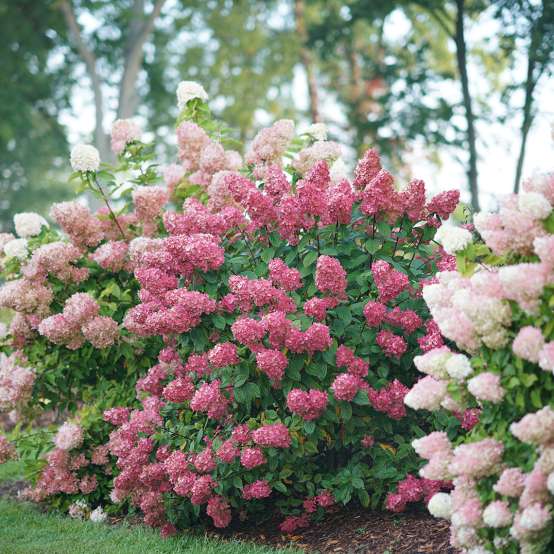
pixel 78 323
pixel 411 489
pixel 7 450
pixel 16 381
pixel 82 228
pixel 307 404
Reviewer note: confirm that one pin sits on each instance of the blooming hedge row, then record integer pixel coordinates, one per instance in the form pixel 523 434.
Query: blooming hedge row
pixel 267 327
pixel 496 310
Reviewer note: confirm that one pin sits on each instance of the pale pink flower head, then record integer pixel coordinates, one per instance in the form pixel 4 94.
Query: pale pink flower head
pixel 486 387
pixel 510 482
pixel 426 394
pixel 544 248
pixel 124 131
pixel 101 331
pixel 82 228
pixel 477 459
pixel 535 428
pixel 497 514
pixel 436 443
pixel 69 436
pixel 528 343
pixel 172 174
pixel 546 357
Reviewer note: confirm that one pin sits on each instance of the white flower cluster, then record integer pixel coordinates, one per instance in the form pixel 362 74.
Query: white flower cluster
pixel 85 157
pixel 17 248
pixel 338 171
pixel 440 505
pixel 534 204
pixel 28 224
pixel 453 239
pixel 318 131
pixel 187 90
pixel 98 515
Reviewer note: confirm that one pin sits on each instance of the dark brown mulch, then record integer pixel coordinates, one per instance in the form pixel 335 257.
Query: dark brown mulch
pixel 359 531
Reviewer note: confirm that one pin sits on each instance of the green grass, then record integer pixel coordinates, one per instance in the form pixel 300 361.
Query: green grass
pixel 10 471
pixel 24 530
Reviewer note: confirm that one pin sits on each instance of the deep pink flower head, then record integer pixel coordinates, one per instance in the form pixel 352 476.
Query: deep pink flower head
pixel 179 390
pixel 389 281
pixel 220 511
pixel 228 451
pixel 248 331
pixel 252 457
pixel 317 338
pixel 307 404
pixel 241 434
pixel 345 386
pixel 283 276
pixel 392 345
pixel 368 167
pixel 273 363
pixel 292 523
pixel 257 489
pixel 272 435
pixel 444 203
pixel 330 276
pixel 223 354
pixel 374 313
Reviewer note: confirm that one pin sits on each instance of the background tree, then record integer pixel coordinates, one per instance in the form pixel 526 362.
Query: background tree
pixel 530 23
pixel 32 93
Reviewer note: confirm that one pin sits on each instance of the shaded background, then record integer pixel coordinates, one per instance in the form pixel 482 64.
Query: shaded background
pixel 458 92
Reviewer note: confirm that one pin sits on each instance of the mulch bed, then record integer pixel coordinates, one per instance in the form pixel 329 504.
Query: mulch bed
pixel 357 531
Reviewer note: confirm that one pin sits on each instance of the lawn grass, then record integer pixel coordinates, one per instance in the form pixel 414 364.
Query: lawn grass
pixel 25 530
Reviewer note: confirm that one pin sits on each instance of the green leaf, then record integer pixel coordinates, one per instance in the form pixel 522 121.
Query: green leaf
pixel 309 259
pixel 361 398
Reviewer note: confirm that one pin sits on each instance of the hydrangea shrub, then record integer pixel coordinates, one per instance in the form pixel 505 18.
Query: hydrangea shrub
pixel 278 311
pixel 496 312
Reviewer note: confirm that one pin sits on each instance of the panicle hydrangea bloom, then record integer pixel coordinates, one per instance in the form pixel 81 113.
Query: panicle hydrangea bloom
pixel 528 343
pixel 330 276
pixel 85 157
pixel 486 387
pixel 187 90
pixel 124 131
pixel 510 483
pixel 28 224
pixel 426 394
pixel 453 239
pixel 7 450
pixel 17 248
pixel 274 434
pixel 535 428
pixel 82 228
pixel 69 436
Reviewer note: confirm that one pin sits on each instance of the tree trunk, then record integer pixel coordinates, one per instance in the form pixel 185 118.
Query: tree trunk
pixel 101 139
pixel 461 58
pixel 527 119
pixel 307 60
pixel 535 68
pixel 139 29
